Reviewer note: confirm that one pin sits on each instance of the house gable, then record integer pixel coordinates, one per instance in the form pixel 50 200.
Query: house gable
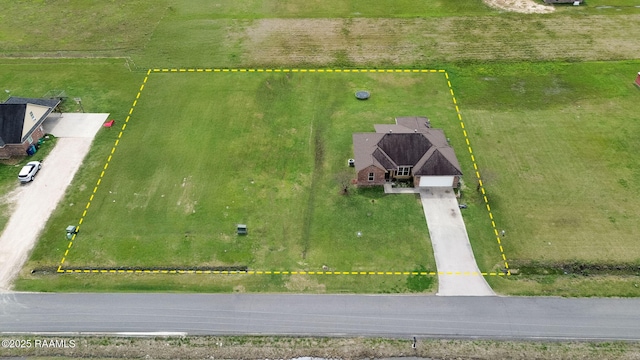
pixel 383 159
pixel 437 164
pixel 33 116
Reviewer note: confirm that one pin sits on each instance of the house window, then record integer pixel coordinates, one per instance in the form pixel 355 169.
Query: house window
pixel 32 116
pixel 403 171
pixel 30 140
pixel 370 176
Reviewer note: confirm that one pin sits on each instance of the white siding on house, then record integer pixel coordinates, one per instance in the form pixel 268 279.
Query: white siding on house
pixel 32 114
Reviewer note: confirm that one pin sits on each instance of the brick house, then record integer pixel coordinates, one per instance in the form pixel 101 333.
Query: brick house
pixel 21 124
pixel 407 150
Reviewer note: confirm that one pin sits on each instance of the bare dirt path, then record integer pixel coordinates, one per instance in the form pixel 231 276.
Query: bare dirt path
pixel 34 202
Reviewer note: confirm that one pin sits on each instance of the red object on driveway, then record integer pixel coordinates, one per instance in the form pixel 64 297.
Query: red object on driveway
pixel 109 123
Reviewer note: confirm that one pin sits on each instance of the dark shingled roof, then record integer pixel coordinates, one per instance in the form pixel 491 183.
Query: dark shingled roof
pixel 11 121
pixel 409 142
pixel 437 163
pixel 404 149
pixel 52 103
pixel 12 113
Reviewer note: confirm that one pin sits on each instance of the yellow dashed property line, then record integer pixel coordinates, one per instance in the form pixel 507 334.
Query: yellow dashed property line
pixel 480 184
pixel 294 70
pixel 95 189
pixel 274 272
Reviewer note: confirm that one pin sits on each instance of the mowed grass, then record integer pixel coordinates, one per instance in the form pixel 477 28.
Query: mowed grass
pixel 76 28
pixel 315 33
pixel 205 151
pixel 556 148
pixel 384 34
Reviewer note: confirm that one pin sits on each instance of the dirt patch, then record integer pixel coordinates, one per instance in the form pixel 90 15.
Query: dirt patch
pixel 390 42
pixel 520 6
pixel 10 199
pixel 322 41
pixel 300 283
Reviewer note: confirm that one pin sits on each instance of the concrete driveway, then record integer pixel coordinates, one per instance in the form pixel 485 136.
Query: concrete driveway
pixel 74 125
pixel 451 245
pixel 34 202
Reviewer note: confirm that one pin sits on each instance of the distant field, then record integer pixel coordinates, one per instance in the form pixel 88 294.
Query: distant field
pixel 316 33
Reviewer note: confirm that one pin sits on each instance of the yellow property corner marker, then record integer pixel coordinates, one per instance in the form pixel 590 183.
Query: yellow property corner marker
pixel 260 272
pixel 478 177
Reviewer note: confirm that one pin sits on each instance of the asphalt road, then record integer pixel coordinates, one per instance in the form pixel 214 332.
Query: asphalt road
pixel 324 315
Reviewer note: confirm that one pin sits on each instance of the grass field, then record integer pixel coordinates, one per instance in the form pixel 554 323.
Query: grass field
pixel 548 102
pixel 559 164
pixel 205 151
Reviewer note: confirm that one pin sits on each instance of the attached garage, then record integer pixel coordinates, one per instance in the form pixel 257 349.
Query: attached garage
pixel 436 181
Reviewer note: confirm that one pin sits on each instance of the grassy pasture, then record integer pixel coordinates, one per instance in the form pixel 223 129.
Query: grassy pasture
pixel 76 28
pixel 204 151
pixel 557 152
pixel 559 157
pixel 315 33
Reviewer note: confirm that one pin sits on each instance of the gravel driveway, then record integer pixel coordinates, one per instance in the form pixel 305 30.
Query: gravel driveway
pixel 34 202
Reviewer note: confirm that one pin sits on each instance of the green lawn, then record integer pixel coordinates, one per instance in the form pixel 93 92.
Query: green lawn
pixel 205 151
pixel 557 152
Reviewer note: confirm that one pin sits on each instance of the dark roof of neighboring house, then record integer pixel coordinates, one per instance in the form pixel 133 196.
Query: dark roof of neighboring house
pixel 52 103
pixel 409 142
pixel 12 113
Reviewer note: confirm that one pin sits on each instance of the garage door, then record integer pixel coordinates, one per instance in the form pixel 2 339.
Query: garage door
pixel 436 181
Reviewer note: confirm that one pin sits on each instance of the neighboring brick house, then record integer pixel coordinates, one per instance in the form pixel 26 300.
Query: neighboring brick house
pixel 21 124
pixel 408 149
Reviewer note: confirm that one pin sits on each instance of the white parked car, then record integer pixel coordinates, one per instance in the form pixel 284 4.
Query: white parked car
pixel 29 171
